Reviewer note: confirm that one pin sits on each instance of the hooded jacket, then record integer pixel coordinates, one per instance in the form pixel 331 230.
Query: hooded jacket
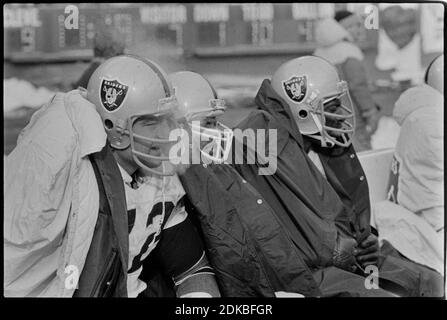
pixel 418 174
pixel 315 211
pixel 311 210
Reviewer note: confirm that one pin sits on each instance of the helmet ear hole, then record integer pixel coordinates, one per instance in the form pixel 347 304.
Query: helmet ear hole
pixel 303 114
pixel 108 124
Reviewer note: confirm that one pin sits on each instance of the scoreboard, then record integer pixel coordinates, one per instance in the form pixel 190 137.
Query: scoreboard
pixel 222 29
pixel 38 32
pixel 35 33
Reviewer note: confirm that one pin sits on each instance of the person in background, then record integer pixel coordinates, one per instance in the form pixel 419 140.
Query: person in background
pixel 417 172
pixel 419 156
pixel 106 45
pixel 337 41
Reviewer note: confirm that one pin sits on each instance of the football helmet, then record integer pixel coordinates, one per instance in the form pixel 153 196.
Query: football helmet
pixel 318 99
pixel 124 89
pixel 198 100
pixel 434 75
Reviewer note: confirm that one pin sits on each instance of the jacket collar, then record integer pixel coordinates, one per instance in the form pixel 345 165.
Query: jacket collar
pixel 85 119
pixel 269 101
pixel 126 177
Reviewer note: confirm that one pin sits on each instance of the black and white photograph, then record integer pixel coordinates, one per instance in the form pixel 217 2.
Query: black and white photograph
pixel 223 150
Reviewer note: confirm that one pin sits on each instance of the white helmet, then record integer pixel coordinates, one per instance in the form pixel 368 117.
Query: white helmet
pixel 198 100
pixel 125 88
pixel 319 101
pixel 434 75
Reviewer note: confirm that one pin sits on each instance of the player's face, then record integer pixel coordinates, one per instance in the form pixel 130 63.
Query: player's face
pixel 334 107
pixel 354 25
pixel 154 128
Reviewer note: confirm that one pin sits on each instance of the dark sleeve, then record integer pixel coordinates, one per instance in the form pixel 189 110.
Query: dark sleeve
pixel 181 255
pixel 179 248
pixel 355 75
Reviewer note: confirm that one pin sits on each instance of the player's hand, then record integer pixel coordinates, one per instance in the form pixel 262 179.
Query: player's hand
pixel 367 252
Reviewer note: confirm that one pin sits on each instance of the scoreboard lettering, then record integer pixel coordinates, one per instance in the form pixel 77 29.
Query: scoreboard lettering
pixel 38 31
pixel 305 10
pixel 164 14
pixel 21 17
pixel 326 10
pixel 257 11
pixel 211 12
pixel 164 22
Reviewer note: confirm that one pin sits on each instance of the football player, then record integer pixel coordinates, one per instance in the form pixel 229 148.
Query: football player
pixel 247 243
pixel 87 232
pixel 319 190
pixel 419 155
pixel 229 212
pixel 153 191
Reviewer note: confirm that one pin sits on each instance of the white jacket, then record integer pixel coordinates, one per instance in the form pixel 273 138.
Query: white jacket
pixel 51 198
pixel 335 43
pixel 413 222
pixel 410 234
pixel 420 153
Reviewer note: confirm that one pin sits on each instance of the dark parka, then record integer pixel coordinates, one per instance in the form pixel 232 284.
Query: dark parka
pixel 250 254
pixel 105 269
pixel 311 210
pixel 315 210
pixel 253 245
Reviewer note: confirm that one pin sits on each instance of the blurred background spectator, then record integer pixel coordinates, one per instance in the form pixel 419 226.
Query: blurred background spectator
pixel 106 44
pixel 338 42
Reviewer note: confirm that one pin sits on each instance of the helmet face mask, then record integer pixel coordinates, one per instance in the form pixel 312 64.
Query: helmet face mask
pixel 150 146
pixel 319 101
pixel 124 90
pixel 198 103
pixel 215 142
pixel 214 107
pixel 336 116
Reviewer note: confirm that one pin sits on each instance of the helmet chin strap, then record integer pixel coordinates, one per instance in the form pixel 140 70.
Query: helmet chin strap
pixel 137 156
pixel 326 143
pixel 151 170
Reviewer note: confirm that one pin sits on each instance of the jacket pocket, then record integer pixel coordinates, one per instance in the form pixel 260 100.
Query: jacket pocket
pixel 106 283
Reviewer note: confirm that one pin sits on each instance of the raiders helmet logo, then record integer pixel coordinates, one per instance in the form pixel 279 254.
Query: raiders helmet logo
pixel 296 88
pixel 112 94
